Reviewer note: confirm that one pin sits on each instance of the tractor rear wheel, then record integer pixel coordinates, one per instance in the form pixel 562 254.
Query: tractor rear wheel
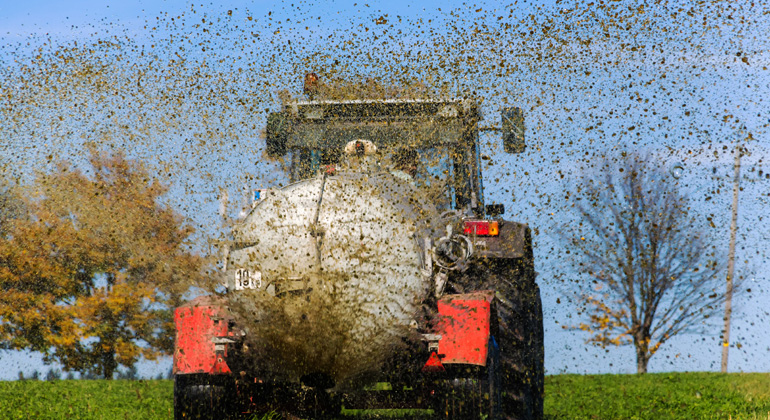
pixel 318 404
pixel 519 331
pixel 201 397
pixel 474 393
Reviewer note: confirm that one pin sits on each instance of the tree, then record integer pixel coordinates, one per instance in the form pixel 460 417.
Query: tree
pixel 653 271
pixel 53 375
pixel 91 277
pixel 130 374
pixel 11 204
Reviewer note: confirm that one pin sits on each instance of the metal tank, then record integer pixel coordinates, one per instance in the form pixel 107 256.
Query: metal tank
pixel 329 273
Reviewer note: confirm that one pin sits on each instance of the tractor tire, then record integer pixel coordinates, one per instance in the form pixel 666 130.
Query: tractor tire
pixel 318 404
pixel 474 396
pixel 201 397
pixel 519 331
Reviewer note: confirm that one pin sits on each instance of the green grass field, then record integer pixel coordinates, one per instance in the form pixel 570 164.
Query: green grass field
pixel 653 396
pixel 659 396
pixel 86 400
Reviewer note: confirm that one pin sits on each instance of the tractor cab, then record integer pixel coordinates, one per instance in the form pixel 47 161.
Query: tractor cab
pixel 433 142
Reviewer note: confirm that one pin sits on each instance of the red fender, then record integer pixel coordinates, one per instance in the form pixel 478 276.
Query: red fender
pixel 197 324
pixel 464 325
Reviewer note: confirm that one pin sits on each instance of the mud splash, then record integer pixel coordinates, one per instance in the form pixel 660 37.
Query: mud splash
pixel 189 94
pixel 335 334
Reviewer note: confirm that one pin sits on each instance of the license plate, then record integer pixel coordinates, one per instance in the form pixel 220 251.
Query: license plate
pixel 248 279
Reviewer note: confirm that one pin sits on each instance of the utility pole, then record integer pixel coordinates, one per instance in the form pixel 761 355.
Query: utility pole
pixel 731 259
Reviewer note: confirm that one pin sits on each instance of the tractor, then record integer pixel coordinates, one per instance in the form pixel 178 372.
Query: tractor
pixel 376 278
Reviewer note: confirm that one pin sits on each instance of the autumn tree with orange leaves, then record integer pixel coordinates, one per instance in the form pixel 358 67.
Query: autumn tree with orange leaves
pixel 654 273
pixel 91 276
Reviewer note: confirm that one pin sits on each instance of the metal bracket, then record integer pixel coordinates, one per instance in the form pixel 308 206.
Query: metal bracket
pixel 432 340
pixel 220 342
pixel 441 278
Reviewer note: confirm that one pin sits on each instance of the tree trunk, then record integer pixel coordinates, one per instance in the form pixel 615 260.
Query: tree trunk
pixel 641 363
pixel 108 338
pixel 642 356
pixel 108 364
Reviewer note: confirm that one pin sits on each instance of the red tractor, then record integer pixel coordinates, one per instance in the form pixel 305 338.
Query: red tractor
pixel 377 278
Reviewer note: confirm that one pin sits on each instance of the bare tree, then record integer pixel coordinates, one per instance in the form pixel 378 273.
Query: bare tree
pixel 653 271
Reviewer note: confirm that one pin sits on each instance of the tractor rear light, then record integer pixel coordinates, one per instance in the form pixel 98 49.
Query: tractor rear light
pixel 481 227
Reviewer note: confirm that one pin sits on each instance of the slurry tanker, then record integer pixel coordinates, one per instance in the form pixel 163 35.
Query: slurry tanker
pixel 378 278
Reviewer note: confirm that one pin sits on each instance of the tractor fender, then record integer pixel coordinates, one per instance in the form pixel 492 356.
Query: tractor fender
pixel 464 324
pixel 198 346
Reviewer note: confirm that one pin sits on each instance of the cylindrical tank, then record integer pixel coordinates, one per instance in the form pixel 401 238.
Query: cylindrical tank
pixel 327 275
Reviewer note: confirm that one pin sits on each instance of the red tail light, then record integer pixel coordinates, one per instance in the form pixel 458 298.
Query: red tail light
pixel 481 227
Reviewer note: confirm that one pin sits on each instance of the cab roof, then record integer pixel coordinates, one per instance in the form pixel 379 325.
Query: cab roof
pixel 374 109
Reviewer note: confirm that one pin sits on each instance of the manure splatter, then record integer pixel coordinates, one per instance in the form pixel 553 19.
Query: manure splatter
pixel 190 91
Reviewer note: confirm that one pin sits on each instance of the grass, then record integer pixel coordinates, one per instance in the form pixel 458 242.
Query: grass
pixel 100 399
pixel 386 414
pixel 658 396
pixel 653 396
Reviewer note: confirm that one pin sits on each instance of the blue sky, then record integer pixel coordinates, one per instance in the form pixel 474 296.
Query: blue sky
pixel 596 101
pixel 77 16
